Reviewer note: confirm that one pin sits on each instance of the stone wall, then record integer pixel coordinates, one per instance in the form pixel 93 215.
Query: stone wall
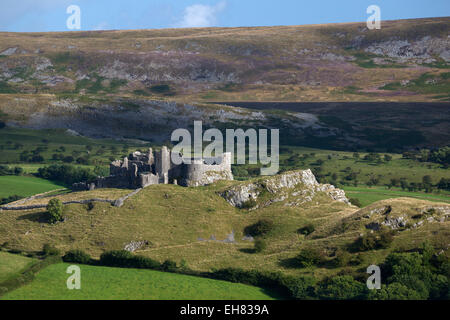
pixel 140 170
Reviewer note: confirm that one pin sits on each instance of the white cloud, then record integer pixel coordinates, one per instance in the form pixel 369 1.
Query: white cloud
pixel 199 15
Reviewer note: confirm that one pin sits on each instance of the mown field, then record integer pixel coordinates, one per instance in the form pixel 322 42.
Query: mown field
pixel 107 283
pixel 25 186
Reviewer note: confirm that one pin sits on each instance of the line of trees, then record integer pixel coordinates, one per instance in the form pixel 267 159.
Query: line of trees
pixel 7 171
pixel 426 184
pixel 66 174
pixel 441 155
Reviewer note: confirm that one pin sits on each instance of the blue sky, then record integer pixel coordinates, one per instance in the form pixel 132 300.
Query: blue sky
pixel 50 15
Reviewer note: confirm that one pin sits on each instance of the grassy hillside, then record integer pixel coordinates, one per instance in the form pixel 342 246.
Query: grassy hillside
pixel 335 62
pixel 174 220
pixel 12 264
pixel 107 283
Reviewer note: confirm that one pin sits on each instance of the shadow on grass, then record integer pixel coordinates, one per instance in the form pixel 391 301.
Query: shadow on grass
pixel 289 263
pixel 40 217
pixel 248 250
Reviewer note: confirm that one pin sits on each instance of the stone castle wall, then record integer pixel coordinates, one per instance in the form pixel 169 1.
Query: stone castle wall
pixel 141 170
pixel 200 173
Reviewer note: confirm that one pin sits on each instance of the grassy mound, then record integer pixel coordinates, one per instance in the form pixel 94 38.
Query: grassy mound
pixel 190 224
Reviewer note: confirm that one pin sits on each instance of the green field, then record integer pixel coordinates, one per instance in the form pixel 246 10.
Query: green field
pixel 32 168
pixel 11 264
pixel 342 162
pixel 131 284
pixel 24 186
pixel 370 195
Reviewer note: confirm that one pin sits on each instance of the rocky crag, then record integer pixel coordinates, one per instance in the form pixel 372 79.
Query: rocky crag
pixel 293 188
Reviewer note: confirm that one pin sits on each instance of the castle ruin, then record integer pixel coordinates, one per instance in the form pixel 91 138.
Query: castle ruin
pixel 140 170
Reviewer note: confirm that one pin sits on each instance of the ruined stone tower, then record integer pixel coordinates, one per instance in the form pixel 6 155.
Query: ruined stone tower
pixel 140 170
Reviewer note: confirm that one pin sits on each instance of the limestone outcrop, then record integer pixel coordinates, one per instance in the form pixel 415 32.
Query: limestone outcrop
pixel 295 187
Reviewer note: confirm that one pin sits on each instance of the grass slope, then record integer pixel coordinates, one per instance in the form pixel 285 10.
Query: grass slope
pixel 25 186
pixel 260 62
pixel 12 264
pixel 129 284
pixel 172 219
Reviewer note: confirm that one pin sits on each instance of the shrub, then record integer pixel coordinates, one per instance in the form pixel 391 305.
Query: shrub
pixel 260 228
pixel 66 174
pixel 55 210
pixel 394 291
pixel 341 288
pixel 5 171
pixel 119 258
pixel 249 204
pixel 385 240
pixel 251 277
pixel 37 158
pixel 126 259
pixel 77 256
pixel 307 230
pixel 49 250
pixel 372 241
pixel 342 259
pixel 301 288
pixel 357 260
pixel 260 245
pixel 68 159
pixel 90 206
pixel 141 262
pixel 82 160
pixel 9 199
pixel 308 257
pixel 356 202
pixel 239 171
pixel 164 89
pixel 169 266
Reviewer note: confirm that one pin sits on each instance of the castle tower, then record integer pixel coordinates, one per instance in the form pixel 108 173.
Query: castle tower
pixel 151 158
pixel 163 164
pixel 125 163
